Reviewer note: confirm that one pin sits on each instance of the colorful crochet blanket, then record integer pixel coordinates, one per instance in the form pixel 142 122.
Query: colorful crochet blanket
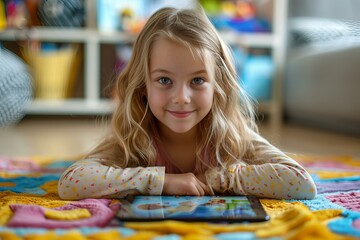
pixel 31 209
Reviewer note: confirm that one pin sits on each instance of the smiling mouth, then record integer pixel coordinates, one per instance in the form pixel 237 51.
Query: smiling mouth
pixel 181 114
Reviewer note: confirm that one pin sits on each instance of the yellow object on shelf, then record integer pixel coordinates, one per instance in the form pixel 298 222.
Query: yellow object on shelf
pixel 2 15
pixel 52 71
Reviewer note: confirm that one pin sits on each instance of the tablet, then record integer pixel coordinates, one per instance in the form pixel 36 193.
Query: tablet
pixel 192 209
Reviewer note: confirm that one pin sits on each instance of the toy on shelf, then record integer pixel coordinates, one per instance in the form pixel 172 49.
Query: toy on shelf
pixel 120 15
pixel 13 14
pixel 130 16
pixel 239 15
pixel 257 77
pixel 255 70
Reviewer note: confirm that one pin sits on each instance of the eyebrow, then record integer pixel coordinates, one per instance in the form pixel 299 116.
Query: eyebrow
pixel 160 70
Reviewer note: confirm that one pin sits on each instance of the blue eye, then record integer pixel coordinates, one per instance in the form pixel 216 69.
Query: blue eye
pixel 164 81
pixel 198 81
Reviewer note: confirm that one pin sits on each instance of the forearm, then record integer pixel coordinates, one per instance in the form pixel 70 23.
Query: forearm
pixel 90 178
pixel 269 180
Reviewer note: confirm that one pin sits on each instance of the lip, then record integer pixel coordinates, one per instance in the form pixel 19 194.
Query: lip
pixel 180 114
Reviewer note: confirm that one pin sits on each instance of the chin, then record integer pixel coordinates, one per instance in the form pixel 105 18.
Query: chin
pixel 182 130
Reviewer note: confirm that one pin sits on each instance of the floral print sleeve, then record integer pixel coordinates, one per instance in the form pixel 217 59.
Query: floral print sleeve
pixel 89 178
pixel 271 174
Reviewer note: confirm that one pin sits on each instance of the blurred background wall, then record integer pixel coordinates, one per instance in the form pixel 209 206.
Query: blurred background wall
pixel 322 73
pixel 345 9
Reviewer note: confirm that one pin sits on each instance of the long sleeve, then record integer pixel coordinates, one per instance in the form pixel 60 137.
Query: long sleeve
pixel 89 178
pixel 271 174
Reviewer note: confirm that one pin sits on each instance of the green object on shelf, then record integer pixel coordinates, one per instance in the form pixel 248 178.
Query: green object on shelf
pixel 211 6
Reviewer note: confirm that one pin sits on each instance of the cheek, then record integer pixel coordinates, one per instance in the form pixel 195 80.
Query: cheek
pixel 207 98
pixel 155 100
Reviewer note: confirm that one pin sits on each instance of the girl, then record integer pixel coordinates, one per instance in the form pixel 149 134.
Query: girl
pixel 183 125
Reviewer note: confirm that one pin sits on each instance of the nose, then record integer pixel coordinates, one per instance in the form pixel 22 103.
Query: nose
pixel 182 95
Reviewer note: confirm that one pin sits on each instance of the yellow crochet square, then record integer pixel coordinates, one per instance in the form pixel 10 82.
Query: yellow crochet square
pixel 73 214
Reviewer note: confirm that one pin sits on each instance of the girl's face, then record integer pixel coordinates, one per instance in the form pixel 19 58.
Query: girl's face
pixel 181 88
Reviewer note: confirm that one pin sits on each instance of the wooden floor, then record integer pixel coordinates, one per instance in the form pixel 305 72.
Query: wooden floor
pixel 68 137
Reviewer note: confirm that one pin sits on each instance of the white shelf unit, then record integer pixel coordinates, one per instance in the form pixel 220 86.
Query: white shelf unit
pixel 93 104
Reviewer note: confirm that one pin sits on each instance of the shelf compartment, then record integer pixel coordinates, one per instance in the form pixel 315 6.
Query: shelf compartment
pixel 70 107
pixel 248 39
pixel 85 35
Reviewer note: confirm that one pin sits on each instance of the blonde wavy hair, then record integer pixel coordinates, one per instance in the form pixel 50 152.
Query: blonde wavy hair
pixel 223 135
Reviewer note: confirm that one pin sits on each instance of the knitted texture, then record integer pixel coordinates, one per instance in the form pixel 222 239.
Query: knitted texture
pixel 100 210
pixel 30 208
pixel 350 201
pixel 329 187
pixel 15 87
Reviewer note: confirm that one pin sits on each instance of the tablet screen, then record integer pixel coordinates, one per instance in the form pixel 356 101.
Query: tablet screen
pixel 192 208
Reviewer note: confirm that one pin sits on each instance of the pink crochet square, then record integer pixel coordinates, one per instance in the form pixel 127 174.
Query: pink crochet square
pixel 350 201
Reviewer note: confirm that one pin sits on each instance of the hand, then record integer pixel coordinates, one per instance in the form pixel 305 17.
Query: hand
pixel 201 177
pixel 184 184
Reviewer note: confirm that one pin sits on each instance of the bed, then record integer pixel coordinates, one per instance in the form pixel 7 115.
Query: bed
pixel 31 209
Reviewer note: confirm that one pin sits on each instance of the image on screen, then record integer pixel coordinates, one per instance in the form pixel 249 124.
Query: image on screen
pixel 187 207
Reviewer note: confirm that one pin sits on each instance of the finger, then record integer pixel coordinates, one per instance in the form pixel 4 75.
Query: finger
pixel 193 189
pixel 200 189
pixel 208 191
pixel 204 184
pixel 204 187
